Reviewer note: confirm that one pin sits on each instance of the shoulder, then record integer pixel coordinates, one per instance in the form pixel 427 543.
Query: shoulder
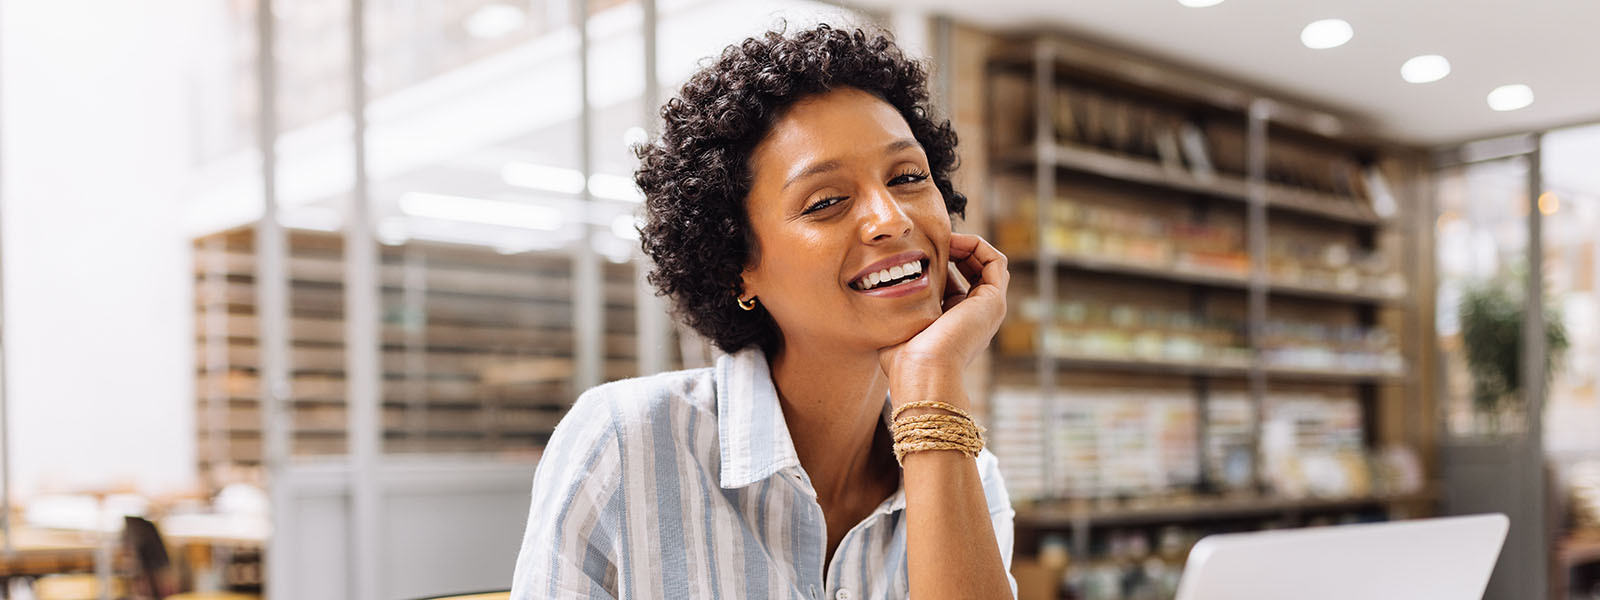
pixel 630 403
pixel 628 413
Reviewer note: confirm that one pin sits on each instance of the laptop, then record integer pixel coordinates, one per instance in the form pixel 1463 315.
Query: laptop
pixel 1425 559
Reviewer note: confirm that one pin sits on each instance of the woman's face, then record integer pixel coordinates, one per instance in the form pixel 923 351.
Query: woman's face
pixel 852 235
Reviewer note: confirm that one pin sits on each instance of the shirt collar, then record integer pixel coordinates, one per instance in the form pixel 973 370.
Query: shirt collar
pixel 755 438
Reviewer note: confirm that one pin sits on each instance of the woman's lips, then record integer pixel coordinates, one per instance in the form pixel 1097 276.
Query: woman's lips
pixel 905 289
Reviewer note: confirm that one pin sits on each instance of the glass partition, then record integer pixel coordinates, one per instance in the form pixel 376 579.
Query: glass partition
pixel 1480 256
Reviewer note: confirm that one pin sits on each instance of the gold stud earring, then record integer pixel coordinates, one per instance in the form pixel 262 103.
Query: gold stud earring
pixel 747 304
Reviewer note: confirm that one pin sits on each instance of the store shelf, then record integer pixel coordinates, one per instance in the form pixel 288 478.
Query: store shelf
pixel 1204 368
pixel 1140 321
pixel 1112 166
pixel 1333 376
pixel 1058 515
pixel 1215 280
pixel 1321 293
pixel 1138 365
pixel 1159 273
pixel 1123 168
pixel 1328 206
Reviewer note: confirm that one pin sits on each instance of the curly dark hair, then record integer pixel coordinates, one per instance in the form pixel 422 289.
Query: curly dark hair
pixel 696 176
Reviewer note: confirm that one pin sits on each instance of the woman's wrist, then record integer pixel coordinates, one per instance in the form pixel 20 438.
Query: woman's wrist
pixel 943 388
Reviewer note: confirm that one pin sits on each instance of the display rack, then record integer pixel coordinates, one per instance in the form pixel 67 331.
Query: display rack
pixel 477 352
pixel 1172 233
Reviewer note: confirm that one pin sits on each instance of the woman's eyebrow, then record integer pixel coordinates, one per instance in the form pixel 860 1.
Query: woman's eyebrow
pixel 900 144
pixel 829 165
pixel 821 167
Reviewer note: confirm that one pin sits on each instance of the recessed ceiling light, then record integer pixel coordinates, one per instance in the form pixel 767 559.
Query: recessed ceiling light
pixel 1425 69
pixel 1510 97
pixel 1199 3
pixel 1327 33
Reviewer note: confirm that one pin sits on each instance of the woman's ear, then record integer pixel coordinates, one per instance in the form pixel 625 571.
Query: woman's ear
pixel 749 282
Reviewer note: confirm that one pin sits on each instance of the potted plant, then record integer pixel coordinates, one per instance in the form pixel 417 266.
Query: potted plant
pixel 1491 313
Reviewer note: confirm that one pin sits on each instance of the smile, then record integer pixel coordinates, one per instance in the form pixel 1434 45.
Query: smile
pixel 896 275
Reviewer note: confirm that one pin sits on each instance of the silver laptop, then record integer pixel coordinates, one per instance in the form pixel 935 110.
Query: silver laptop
pixel 1426 559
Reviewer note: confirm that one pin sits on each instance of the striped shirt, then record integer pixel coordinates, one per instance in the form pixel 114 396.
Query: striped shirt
pixel 687 485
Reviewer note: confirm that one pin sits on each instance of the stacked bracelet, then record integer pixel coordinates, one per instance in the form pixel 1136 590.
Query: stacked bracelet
pixel 955 431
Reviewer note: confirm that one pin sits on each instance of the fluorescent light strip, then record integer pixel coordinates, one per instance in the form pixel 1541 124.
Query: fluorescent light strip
pixel 479 210
pixel 569 181
pixel 542 177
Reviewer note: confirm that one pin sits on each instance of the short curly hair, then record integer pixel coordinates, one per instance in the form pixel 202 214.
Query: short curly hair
pixel 696 176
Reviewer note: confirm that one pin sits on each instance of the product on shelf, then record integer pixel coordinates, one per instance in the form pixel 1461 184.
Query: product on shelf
pixel 1095 329
pixel 1320 347
pixel 1106 444
pixel 1120 234
pixel 1230 442
pixel 1318 263
pixel 1311 446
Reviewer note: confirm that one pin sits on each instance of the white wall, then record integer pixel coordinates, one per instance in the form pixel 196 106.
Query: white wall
pixel 97 271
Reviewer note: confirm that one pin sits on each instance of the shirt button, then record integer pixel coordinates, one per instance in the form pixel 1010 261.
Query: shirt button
pixel 842 594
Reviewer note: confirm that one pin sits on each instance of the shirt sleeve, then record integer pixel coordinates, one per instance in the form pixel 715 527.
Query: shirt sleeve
pixel 569 550
pixel 1001 515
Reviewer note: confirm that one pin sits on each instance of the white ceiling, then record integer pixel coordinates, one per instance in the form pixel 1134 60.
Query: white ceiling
pixel 1552 46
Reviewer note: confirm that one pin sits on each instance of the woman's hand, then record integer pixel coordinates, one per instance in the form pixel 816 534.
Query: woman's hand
pixel 937 355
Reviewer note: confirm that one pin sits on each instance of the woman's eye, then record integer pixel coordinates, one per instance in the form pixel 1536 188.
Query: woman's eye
pixel 823 203
pixel 905 178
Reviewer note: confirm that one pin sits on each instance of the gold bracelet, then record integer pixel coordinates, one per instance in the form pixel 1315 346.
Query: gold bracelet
pixel 928 404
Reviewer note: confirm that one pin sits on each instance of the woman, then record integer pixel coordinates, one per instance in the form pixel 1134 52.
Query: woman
pixel 799 204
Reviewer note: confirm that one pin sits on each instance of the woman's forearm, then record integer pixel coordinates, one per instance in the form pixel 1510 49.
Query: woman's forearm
pixel 950 542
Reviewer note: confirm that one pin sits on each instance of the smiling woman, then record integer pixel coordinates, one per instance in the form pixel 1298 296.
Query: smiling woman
pixel 799 216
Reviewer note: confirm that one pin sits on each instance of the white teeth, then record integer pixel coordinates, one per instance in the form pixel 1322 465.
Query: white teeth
pixel 911 268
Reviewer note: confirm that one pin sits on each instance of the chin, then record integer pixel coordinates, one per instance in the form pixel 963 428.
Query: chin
pixel 908 325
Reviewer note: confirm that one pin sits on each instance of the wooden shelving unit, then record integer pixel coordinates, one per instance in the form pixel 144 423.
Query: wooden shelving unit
pixel 477 347
pixel 1085 193
pixel 1063 515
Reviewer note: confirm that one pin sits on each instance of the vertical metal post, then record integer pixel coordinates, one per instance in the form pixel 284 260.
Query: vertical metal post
pixel 1256 225
pixel 1044 201
pixel 1536 551
pixel 6 543
pixel 214 289
pixel 944 65
pixel 361 343
pixel 650 310
pixel 587 295
pixel 272 308
pixel 414 297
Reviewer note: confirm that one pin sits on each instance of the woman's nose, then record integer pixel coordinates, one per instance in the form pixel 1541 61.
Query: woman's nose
pixel 884 219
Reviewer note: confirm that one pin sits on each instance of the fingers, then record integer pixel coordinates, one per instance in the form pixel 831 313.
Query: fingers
pixel 955 290
pixel 979 261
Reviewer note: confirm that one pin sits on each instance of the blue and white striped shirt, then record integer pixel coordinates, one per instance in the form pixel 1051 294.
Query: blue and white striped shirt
pixel 687 485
